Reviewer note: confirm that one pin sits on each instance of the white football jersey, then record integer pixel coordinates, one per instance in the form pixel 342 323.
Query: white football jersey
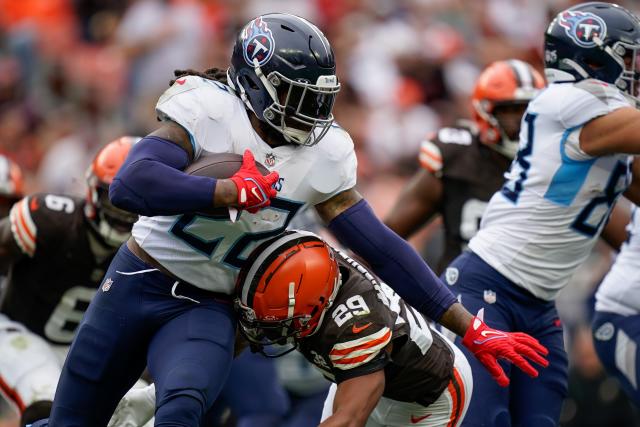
pixel 544 221
pixel 620 290
pixel 208 251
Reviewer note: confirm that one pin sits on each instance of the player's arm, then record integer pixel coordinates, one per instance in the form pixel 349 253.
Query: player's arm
pixel 355 399
pixel 416 205
pixel 615 231
pixel 633 192
pixel 353 222
pixel 9 250
pixel 616 132
pixel 152 182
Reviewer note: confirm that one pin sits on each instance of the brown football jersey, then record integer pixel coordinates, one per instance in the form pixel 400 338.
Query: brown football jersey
pixel 355 335
pixel 50 287
pixel 471 172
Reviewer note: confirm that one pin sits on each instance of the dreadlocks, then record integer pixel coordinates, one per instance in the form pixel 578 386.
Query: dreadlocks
pixel 217 74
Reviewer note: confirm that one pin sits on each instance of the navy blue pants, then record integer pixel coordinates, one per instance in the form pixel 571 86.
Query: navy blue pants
pixel 254 392
pixel 616 339
pixel 135 321
pixel 527 402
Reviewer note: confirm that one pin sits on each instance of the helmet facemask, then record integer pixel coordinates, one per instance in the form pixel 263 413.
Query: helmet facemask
pixel 112 224
pixel 504 118
pixel 627 56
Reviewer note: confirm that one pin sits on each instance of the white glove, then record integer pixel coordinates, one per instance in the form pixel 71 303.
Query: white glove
pixel 136 408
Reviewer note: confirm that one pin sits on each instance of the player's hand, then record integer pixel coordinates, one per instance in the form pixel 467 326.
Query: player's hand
pixel 255 191
pixel 489 345
pixel 136 408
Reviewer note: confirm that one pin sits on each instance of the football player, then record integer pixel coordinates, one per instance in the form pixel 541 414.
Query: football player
pixel 463 166
pixel 388 366
pixel 167 299
pixel 11 184
pixel 615 324
pixel 541 225
pixel 57 249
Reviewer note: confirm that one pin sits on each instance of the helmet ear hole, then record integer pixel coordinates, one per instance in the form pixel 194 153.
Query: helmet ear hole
pixel 247 82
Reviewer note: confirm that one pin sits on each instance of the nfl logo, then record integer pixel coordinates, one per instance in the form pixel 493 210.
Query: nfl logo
pixel 489 296
pixel 107 284
pixel 451 275
pixel 270 159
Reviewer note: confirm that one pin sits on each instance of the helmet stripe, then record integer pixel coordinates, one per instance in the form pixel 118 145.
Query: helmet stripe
pixel 522 72
pixel 266 256
pixel 322 38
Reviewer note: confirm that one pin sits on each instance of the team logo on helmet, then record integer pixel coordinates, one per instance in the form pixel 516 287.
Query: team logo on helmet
pixel 582 27
pixel 257 42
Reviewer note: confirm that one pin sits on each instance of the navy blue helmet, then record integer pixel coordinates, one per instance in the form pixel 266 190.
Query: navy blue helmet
pixel 284 70
pixel 594 40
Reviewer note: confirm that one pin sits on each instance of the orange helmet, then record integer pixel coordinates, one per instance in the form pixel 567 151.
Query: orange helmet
pixel 11 184
pixel 112 224
pixel 286 287
pixel 500 97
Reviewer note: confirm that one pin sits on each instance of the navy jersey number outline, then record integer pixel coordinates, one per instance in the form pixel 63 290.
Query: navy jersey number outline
pixel 522 160
pixel 609 197
pixel 232 257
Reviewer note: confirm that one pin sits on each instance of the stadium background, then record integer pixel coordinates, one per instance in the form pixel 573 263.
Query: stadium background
pixel 75 74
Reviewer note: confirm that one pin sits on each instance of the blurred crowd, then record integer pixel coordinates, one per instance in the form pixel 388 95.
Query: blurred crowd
pixel 75 74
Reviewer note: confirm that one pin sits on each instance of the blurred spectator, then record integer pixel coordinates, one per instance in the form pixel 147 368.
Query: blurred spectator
pixel 158 36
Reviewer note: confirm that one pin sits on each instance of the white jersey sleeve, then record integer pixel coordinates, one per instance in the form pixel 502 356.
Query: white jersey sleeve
pixel 620 290
pixel 335 170
pixel 202 107
pixel 575 108
pixel 544 221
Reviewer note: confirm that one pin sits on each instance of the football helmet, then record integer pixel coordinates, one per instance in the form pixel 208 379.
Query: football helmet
pixel 283 69
pixel 285 288
pixel 500 97
pixel 11 184
pixel 112 224
pixel 594 40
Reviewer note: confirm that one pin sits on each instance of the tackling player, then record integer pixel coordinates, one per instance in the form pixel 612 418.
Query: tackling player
pixel 167 295
pixel 615 324
pixel 463 166
pixel 57 249
pixel 542 224
pixel 390 367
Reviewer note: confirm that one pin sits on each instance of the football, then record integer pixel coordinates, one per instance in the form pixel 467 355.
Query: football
pixel 220 166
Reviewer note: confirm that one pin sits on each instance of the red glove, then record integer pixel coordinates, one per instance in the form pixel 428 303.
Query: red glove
pixel 489 344
pixel 254 190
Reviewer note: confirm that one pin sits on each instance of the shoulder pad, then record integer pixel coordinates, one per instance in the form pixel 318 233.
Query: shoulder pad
pixel 334 169
pixel 23 227
pixel 32 211
pixel 601 90
pixel 203 108
pixel 458 136
pixel 430 157
pixel 574 104
pixel 360 350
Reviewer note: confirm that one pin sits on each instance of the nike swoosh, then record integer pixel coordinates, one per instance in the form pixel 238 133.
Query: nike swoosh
pixel 255 193
pixel 357 330
pixel 416 420
pixel 181 81
pixel 486 333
